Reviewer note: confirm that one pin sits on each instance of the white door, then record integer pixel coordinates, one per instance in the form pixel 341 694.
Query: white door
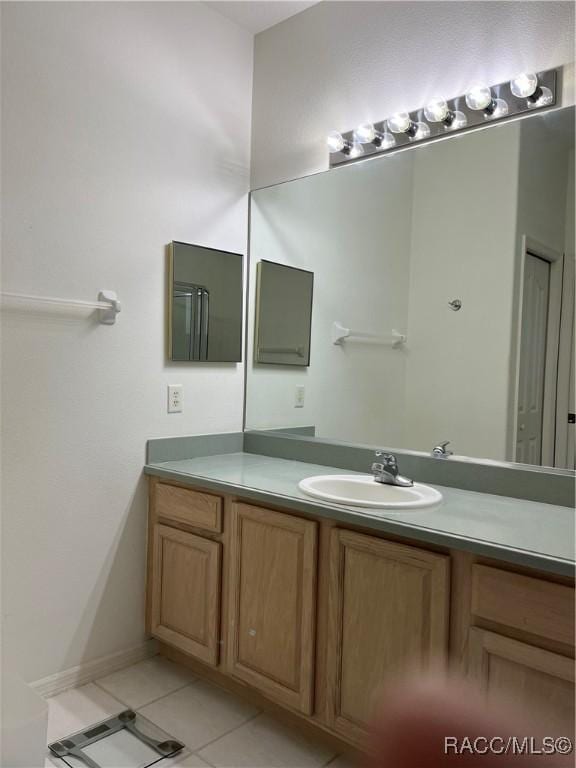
pixel 533 335
pixel 569 433
pixel 565 401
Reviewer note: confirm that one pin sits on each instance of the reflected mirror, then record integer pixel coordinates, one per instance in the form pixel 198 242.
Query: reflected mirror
pixel 204 304
pixel 283 314
pixel 444 298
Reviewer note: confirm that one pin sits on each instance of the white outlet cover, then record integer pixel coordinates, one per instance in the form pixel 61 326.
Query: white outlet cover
pixel 175 398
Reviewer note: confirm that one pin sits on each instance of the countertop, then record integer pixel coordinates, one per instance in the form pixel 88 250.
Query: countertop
pixel 527 533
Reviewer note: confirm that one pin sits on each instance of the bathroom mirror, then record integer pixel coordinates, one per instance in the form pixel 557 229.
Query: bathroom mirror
pixel 283 314
pixel 204 304
pixel 443 300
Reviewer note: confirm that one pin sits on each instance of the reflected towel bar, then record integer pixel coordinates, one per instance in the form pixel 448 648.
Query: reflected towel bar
pixel 341 334
pixel 107 305
pixel 282 351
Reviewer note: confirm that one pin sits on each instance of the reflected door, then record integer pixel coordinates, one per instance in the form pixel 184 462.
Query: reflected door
pixel 532 359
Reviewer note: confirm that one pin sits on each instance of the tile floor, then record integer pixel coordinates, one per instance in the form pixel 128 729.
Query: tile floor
pixel 218 729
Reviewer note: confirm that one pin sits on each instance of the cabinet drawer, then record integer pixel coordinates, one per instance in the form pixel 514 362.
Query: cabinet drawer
pixel 522 602
pixel 201 510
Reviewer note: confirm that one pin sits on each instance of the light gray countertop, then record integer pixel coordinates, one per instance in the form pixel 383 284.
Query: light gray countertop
pixel 523 532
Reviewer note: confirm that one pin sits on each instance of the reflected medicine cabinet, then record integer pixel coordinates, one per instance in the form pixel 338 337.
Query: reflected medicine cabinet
pixel 283 314
pixel 204 304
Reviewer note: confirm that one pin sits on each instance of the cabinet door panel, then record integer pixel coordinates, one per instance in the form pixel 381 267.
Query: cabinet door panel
pixel 387 613
pixel 186 592
pixel 273 578
pixel 531 680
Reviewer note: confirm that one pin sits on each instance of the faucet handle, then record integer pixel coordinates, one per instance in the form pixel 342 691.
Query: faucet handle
pixel 440 449
pixel 388 459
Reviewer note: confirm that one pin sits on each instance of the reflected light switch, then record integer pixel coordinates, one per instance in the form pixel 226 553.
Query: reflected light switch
pixel 299 397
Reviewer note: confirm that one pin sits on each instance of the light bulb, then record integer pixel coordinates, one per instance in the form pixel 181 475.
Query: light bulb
pixel 422 132
pixel 500 110
pixel 365 133
pixel 436 111
pixel 335 141
pixel 545 98
pixel 388 141
pixel 400 122
pixel 356 150
pixel 524 85
pixel 479 97
pixel 459 120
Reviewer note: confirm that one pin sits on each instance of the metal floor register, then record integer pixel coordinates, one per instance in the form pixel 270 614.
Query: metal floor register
pixel 127 740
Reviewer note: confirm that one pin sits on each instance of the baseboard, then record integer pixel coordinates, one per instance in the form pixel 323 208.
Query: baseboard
pixel 92 670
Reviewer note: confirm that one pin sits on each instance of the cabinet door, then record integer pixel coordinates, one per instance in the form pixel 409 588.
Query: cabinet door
pixel 272 604
pixel 388 611
pixel 185 582
pixel 533 681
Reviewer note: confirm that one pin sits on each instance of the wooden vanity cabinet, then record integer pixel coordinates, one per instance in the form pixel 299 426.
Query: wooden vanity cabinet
pixel 304 615
pixel 388 613
pixel 520 644
pixel 272 604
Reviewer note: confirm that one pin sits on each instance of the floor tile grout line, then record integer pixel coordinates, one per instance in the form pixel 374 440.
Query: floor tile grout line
pixel 227 733
pixel 100 688
pixel 204 760
pixel 153 701
pixel 332 760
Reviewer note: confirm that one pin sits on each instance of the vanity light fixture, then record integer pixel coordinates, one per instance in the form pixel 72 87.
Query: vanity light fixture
pixel 481 104
pixel 367 134
pixel 526 86
pixel 481 98
pixel 438 111
pixel 401 122
pixel 337 143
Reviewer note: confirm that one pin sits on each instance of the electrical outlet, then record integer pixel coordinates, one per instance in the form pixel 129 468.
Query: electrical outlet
pixel 175 397
pixel 299 397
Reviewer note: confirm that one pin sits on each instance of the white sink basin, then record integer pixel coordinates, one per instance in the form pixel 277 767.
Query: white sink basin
pixel 364 491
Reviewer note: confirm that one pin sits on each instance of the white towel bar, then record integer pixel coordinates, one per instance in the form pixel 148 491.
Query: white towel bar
pixel 107 304
pixel 341 334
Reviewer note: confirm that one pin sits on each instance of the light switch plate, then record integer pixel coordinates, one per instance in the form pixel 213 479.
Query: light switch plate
pixel 175 397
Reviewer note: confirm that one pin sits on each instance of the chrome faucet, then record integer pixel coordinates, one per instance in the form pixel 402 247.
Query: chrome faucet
pixel 385 470
pixel 440 451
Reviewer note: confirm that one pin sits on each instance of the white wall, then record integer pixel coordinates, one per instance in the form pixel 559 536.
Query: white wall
pixel 338 64
pixel 124 126
pixel 463 247
pixel 352 229
pixel 543 179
